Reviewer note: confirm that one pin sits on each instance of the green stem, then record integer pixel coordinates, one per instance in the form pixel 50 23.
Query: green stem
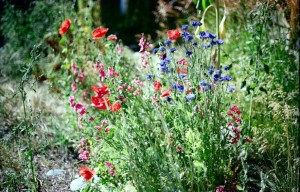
pixel 218 33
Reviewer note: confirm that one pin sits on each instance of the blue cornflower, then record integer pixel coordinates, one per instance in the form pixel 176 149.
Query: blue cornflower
pixel 184 27
pixel 226 68
pixel 210 71
pixel 181 75
pixel 155 50
pixel 188 53
pixel 230 89
pixel 220 42
pixel 168 42
pixel 172 50
pixel 212 36
pixel 212 43
pixel 149 76
pixel 188 38
pixel 190 96
pixel 174 86
pixel 218 72
pixel 162 49
pixel 180 88
pixel 195 43
pixel 227 78
pixel 185 33
pixel 168 99
pixel 207 88
pixel 204 35
pixel 196 23
pixel 203 83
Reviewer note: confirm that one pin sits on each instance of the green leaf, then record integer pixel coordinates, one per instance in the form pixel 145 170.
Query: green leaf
pixel 238 187
pixel 266 68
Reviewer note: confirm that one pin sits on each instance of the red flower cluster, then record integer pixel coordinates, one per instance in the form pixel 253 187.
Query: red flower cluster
pixel 65 26
pixel 157 85
pixel 101 101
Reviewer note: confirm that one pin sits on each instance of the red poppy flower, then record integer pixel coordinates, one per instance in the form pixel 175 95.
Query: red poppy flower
pixel 116 106
pixel 173 34
pixel 157 85
pixel 87 173
pixel 101 91
pixel 99 32
pixel 65 26
pixel 182 70
pixel 100 102
pixel 165 93
pixel 112 37
pixel 182 61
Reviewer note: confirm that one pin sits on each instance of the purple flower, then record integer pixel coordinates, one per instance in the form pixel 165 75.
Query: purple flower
pixel 168 99
pixel 181 75
pixel 227 78
pixel 172 50
pixel 168 42
pixel 204 35
pixel 210 71
pixel 212 36
pixel 220 42
pixel 230 89
pixel 188 38
pixel 180 88
pixel 226 68
pixel 162 49
pixel 188 53
pixel 203 83
pixel 184 27
pixel 196 23
pixel 190 96
pixel 155 50
pixel 149 76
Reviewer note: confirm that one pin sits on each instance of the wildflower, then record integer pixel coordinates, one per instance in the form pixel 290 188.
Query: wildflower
pixel 144 44
pixel 227 78
pixel 190 96
pixel 220 188
pixel 99 32
pixel 82 111
pixel 196 23
pixel 101 91
pixel 87 173
pixel 188 38
pixel 112 73
pixel 97 127
pixel 203 83
pixel 112 37
pixel 107 129
pixel 73 86
pixel 182 61
pixel 165 93
pixel 212 36
pixel 104 122
pixel 100 102
pixel 83 141
pixel 65 26
pixel 108 164
pixel 155 50
pixel 136 92
pixel 220 42
pixel 204 35
pixel 157 85
pixel 184 27
pixel 182 70
pixel 179 149
pixel 180 88
pixel 181 75
pixel 226 68
pixel 188 53
pixel 168 99
pixel 112 172
pixel 172 50
pixel 195 43
pixel 247 139
pixel 230 89
pixel 173 34
pixel 116 106
pixel 168 42
pixel 162 49
pixel 149 76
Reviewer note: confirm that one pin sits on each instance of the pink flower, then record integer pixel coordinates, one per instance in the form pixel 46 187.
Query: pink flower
pixel 144 44
pixel 112 172
pixel 107 129
pixel 82 111
pixel 165 93
pixel 73 86
pixel 112 37
pixel 104 122
pixel 136 92
pixel 173 34
pixel 108 164
pixel 98 127
pixel 247 139
pixel 129 88
pixel 83 141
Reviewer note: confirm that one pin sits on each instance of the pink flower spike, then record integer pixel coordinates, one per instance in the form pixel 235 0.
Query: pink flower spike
pixel 112 172
pixel 98 127
pixel 136 92
pixel 104 122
